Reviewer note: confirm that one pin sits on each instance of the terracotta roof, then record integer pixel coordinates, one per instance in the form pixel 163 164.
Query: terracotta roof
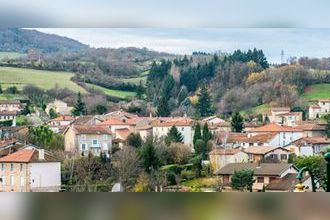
pixel 310 127
pixel 287 183
pixel 26 156
pixel 63 118
pixel 117 121
pixel 313 140
pixel 169 122
pixel 324 100
pixel 264 169
pixel 261 150
pixel 273 127
pixel 232 137
pixel 82 120
pixel 91 129
pixel 7 142
pixel 8 112
pixel 315 106
pixel 123 133
pixel 222 151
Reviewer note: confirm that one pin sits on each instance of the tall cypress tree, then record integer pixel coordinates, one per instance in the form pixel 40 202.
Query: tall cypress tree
pixel 237 122
pixel 207 135
pixel 204 103
pixel 197 134
pixel 79 107
pixel 163 109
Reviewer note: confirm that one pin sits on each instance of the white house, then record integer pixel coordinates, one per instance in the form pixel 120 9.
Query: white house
pixel 11 105
pixel 309 146
pixel 284 135
pixel 219 157
pixel 60 123
pixel 322 107
pixel 29 170
pixel 8 116
pixel 213 120
pixel 161 127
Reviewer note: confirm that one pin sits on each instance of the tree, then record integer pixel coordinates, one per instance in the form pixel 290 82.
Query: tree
pixel 173 136
pixel 207 135
pixel 237 122
pixel 327 128
pixel 149 157
pixel 0 89
pixel 41 136
pixel 80 107
pixel 163 108
pixel 204 104
pixel 180 153
pixel 198 133
pixel 52 113
pixel 242 180
pixel 140 90
pixel 143 183
pixel 134 140
pixel 101 109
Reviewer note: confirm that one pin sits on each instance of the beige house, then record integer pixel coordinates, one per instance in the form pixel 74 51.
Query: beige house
pixel 84 139
pixel 59 107
pixel 283 115
pixel 309 146
pixel 8 116
pixel 59 123
pixel 263 153
pixel 322 107
pixel 311 129
pixel 221 156
pixel 29 170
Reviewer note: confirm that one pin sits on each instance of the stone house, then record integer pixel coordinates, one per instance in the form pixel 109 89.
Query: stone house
pixel 220 157
pixel 59 107
pixel 322 107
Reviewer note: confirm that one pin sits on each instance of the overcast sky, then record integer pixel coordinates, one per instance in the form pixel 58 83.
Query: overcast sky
pixel 294 42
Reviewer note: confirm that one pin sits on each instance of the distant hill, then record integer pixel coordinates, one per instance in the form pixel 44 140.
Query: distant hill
pixel 21 40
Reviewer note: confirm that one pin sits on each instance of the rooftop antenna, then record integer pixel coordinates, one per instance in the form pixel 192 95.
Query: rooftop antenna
pixel 282 56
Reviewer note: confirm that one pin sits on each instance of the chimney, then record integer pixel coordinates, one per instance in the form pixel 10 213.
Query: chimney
pixel 41 154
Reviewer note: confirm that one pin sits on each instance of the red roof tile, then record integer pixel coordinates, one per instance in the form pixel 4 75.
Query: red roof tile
pixel 275 128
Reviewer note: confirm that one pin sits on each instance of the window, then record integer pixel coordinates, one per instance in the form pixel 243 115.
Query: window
pixel 12 180
pixel 22 181
pixel 11 167
pixel 2 180
pixel 105 137
pixel 284 157
pixel 21 167
pixel 2 166
pixel 83 147
pixel 182 129
pixel 260 179
pixel 94 142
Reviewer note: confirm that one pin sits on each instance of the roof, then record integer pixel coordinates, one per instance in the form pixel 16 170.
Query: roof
pixel 6 142
pixel 123 133
pixel 26 156
pixel 169 122
pixel 264 169
pixel 91 129
pixel 287 183
pixel 260 138
pixel 232 137
pixel 10 102
pixel 278 109
pixel 121 113
pixel 315 106
pixel 324 100
pixel 63 118
pixel 299 114
pixel 117 121
pixel 8 112
pixel 82 120
pixel 262 150
pixel 310 127
pixel 223 151
pixel 313 140
pixel 273 127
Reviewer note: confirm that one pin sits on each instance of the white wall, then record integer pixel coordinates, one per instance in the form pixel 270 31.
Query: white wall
pixel 45 175
pixel 284 138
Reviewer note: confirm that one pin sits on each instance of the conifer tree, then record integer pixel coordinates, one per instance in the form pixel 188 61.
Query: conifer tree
pixel 204 103
pixel 173 136
pixel 197 134
pixel 79 107
pixel 237 122
pixel 163 108
pixel 207 135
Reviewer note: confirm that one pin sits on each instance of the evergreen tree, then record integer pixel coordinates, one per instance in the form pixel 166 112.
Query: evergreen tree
pixel 207 135
pixel 79 107
pixel 327 129
pixel 148 154
pixel 204 103
pixel 140 90
pixel 198 133
pixel 0 89
pixel 173 136
pixel 237 122
pixel 163 108
pixel 134 140
pixel 242 180
pixel 52 113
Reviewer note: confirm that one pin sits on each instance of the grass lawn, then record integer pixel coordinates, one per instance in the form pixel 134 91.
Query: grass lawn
pixel 10 55
pixel 20 77
pixel 317 91
pixel 201 182
pixel 257 110
pixel 136 80
pixel 111 92
pixel 11 97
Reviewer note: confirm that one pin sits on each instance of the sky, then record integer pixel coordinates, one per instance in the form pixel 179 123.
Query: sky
pixel 295 42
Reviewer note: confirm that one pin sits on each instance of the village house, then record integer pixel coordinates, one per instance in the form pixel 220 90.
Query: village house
pixel 284 135
pixel 229 139
pixel 283 115
pixel 18 132
pixel 161 127
pixel 322 107
pixel 59 123
pixel 59 107
pixel 212 120
pixel 84 139
pixel 8 116
pixel 220 157
pixel 264 175
pixel 309 146
pixel 11 105
pixel 29 170
pixel 267 154
pixel 263 139
pixel 87 120
pixel 311 129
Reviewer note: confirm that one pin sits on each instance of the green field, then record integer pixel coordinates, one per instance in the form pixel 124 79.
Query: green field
pixel 112 92
pixel 317 91
pixel 9 55
pixel 136 80
pixel 21 77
